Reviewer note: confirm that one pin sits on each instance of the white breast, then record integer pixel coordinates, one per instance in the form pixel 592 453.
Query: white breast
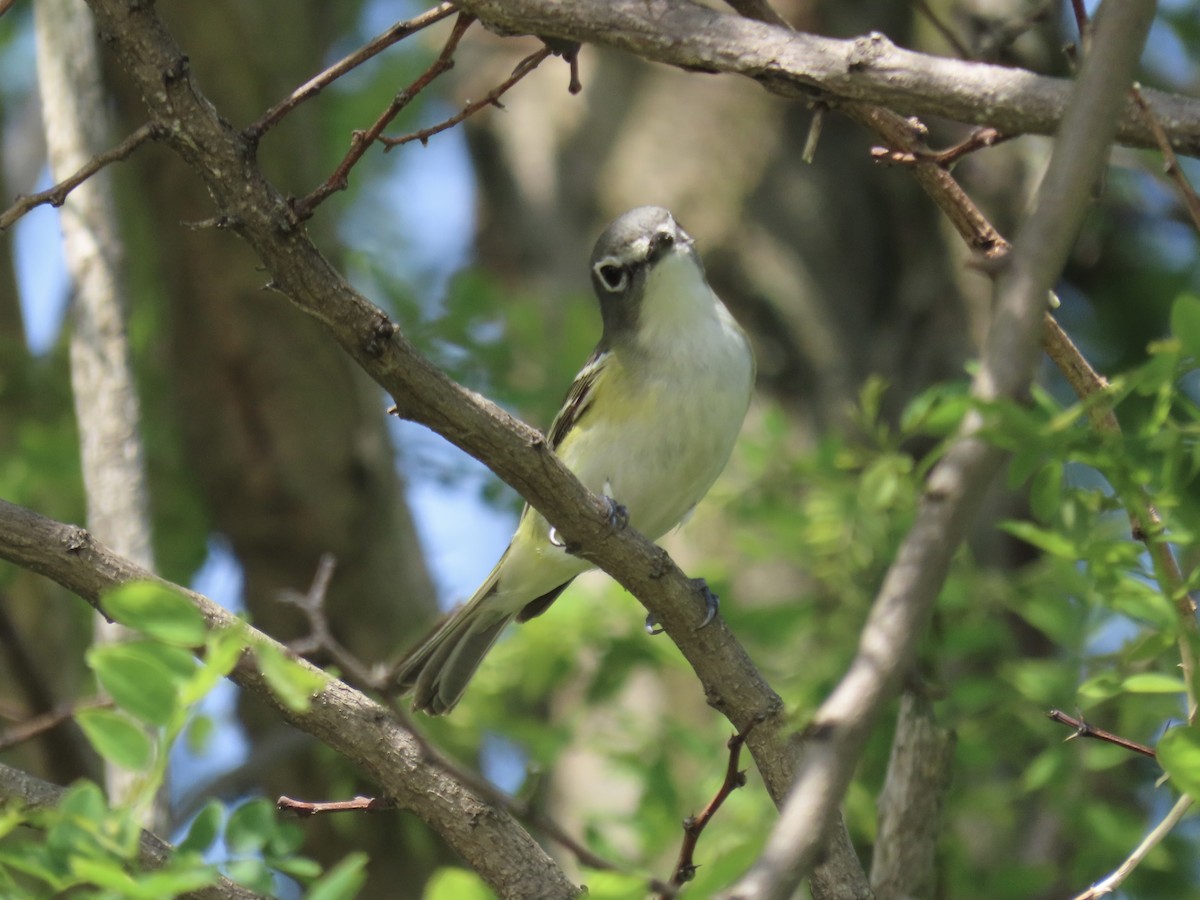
pixel 692 373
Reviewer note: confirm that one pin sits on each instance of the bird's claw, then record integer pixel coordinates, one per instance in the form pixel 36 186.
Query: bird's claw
pixel 618 515
pixel 712 605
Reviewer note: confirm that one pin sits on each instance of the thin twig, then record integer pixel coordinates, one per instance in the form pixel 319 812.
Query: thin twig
pixel 1083 730
pixel 978 139
pixel 1152 840
pixel 57 195
pixel 38 725
pixel 1170 161
pixel 303 809
pixel 360 141
pixel 320 635
pixel 6 5
pixel 491 98
pixel 693 826
pixel 318 83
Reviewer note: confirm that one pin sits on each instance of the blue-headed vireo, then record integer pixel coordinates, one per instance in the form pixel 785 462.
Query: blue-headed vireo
pixel 649 422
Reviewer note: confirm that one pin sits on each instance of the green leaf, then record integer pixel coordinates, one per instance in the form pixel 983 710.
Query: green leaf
pixel 1153 683
pixel 204 828
pixel 250 826
pixel 293 683
pixel 1046 491
pixel 287 839
pixel 1185 323
pixel 937 411
pixel 86 827
pixel 157 611
pixel 299 867
pixel 136 680
pixel 199 734
pixel 176 881
pixel 34 861
pixel 882 482
pixel 459 884
pixel 85 800
pixel 105 873
pixel 1048 541
pixel 613 886
pixel 1101 687
pixel 253 873
pixel 1179 755
pixel 117 738
pixel 182 664
pixel 343 881
pixel 12 816
pixel 222 650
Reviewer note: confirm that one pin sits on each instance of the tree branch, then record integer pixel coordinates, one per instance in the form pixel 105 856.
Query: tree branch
pixel 864 70
pixel 888 644
pixel 1105 886
pixel 904 861
pixel 367 734
pixel 249 204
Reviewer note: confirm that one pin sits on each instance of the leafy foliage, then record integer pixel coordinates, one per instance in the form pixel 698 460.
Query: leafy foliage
pixel 1083 623
pixel 154 686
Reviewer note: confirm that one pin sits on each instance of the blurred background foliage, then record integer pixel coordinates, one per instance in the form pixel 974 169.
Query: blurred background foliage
pixel 267 448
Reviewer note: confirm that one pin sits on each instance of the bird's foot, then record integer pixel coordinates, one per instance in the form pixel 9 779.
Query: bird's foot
pixel 618 515
pixel 712 605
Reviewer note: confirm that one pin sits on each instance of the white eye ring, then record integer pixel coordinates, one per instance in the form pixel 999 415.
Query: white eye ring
pixel 612 275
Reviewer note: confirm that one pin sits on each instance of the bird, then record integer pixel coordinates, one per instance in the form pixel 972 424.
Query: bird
pixel 648 423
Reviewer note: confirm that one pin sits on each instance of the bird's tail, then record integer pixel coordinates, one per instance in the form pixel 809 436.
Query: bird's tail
pixel 436 673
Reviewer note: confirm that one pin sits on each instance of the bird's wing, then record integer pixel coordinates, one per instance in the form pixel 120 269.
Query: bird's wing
pixel 579 399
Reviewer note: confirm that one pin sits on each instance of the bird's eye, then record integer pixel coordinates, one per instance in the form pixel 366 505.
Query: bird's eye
pixel 614 277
